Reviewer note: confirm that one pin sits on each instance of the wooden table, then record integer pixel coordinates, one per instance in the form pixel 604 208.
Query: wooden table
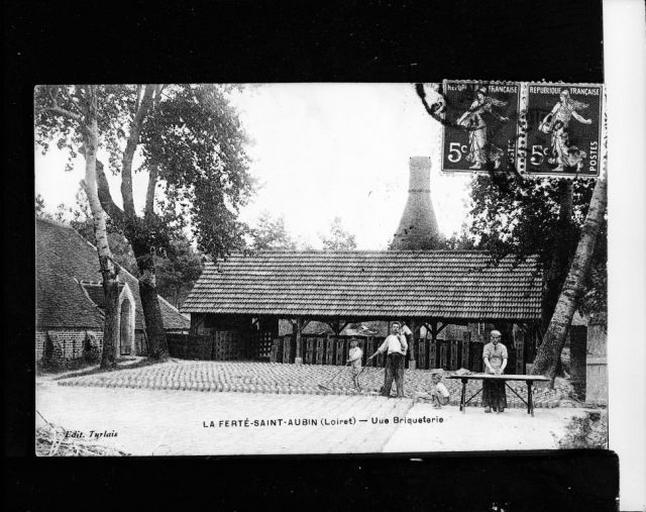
pixel 529 379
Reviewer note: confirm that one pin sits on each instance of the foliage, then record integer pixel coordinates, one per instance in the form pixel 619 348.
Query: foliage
pixel 91 350
pixel 81 221
pixel 191 144
pixel 41 212
pixel 39 206
pixel 195 142
pixel 522 218
pixel 58 110
pixel 585 432
pixel 338 239
pixel 178 271
pixel 270 234
pixel 512 214
pixel 177 268
pixel 462 240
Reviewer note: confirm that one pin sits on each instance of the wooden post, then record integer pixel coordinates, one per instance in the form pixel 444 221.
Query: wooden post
pixel 434 332
pixel 310 346
pixel 422 358
pixel 519 346
pixel 453 354
pixel 412 363
pixel 298 327
pixel 340 355
pixel 329 350
pixel 466 350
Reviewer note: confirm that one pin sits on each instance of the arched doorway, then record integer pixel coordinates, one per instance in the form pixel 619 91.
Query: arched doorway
pixel 126 323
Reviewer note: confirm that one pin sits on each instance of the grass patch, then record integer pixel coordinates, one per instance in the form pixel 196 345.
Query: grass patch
pixel 589 431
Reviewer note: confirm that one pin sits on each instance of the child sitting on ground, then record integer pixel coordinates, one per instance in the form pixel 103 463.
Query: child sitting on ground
pixel 437 394
pixel 354 360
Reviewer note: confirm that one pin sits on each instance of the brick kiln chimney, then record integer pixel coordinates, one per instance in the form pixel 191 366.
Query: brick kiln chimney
pixel 418 226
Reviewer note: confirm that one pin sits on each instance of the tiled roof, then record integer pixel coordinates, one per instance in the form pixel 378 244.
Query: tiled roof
pixel 64 259
pixel 370 284
pixel 95 292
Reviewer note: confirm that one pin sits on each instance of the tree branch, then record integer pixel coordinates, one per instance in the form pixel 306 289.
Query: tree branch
pixel 66 113
pixel 153 172
pixel 56 108
pixel 105 197
pixel 129 152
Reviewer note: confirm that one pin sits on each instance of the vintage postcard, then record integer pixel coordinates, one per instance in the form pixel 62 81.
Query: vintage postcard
pixel 280 269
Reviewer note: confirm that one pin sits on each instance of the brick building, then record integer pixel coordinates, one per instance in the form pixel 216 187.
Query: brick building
pixel 70 301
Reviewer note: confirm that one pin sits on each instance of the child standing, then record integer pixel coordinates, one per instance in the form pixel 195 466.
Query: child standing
pixel 437 394
pixel 354 360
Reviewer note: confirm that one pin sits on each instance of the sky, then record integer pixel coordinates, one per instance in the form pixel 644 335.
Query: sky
pixel 319 151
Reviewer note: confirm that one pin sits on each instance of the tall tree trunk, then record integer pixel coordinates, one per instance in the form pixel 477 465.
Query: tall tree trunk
pixel 108 269
pixel 563 250
pixel 136 231
pixel 157 343
pixel 550 350
pixel 564 246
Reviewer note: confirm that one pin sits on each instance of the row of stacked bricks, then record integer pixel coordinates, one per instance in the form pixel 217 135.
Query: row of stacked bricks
pixel 447 354
pixel 332 350
pixel 324 351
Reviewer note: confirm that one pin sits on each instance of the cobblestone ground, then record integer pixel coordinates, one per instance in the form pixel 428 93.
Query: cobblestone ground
pixel 278 378
pixel 168 422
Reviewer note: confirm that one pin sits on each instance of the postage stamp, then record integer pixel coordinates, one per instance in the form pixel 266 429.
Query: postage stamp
pixel 480 131
pixel 564 129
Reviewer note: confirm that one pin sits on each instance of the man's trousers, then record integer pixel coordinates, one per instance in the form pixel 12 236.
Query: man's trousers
pixel 394 370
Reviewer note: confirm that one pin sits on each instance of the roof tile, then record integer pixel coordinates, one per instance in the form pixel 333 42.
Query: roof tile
pixel 446 284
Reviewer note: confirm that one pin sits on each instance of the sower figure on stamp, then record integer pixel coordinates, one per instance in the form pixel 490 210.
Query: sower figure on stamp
pixel 395 347
pixel 474 121
pixel 494 355
pixel 556 123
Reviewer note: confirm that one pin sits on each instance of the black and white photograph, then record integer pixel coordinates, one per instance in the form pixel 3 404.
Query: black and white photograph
pixel 282 269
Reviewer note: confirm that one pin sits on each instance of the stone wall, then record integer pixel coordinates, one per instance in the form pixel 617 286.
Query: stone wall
pixel 69 343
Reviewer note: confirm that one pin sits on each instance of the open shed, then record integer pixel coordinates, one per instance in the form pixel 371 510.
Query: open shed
pixel 431 289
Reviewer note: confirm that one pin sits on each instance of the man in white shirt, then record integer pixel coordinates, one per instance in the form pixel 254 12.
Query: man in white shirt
pixel 395 348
